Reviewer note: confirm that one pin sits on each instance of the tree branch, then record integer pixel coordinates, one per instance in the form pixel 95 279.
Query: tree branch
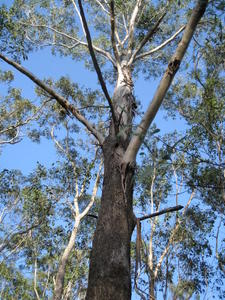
pixel 35 279
pixel 96 66
pixel 60 99
pixel 148 36
pixel 19 124
pixel 161 212
pixel 108 14
pixel 79 15
pixel 22 232
pixel 161 45
pixel 132 23
pixel 92 216
pixel 173 66
pixel 112 19
pixel 97 49
pixel 59 284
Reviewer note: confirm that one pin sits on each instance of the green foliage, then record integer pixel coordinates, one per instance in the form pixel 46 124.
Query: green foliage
pixel 14 285
pixel 12 33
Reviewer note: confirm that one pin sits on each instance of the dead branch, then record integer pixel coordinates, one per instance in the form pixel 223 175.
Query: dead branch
pixel 161 212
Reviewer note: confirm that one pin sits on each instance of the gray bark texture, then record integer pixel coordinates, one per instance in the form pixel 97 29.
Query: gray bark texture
pixel 109 274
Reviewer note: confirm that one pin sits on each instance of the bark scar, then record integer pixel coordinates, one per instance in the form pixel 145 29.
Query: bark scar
pixel 173 66
pixel 124 168
pixel 123 173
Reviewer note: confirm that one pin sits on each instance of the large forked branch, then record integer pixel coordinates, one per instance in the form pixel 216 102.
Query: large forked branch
pixel 95 63
pixel 148 36
pixel 61 100
pixel 173 66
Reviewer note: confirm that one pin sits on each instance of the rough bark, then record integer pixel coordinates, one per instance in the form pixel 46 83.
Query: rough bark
pixel 109 273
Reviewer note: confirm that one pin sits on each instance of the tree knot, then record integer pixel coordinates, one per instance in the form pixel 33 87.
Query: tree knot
pixel 173 66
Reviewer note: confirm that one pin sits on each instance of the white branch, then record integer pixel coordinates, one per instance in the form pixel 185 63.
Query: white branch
pixel 104 53
pixel 173 66
pixel 94 192
pixel 150 52
pixel 103 8
pixel 78 13
pixel 35 279
pixel 132 22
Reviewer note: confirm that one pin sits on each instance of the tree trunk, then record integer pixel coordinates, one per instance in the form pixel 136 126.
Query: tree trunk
pixel 152 287
pixel 109 273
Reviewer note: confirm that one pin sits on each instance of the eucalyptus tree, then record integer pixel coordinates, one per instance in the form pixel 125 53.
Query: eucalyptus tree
pixel 129 36
pixel 190 246
pixel 202 107
pixel 47 207
pixel 176 252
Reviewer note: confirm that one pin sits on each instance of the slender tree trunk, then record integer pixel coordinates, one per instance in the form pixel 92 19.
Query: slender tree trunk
pixel 152 287
pixel 59 284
